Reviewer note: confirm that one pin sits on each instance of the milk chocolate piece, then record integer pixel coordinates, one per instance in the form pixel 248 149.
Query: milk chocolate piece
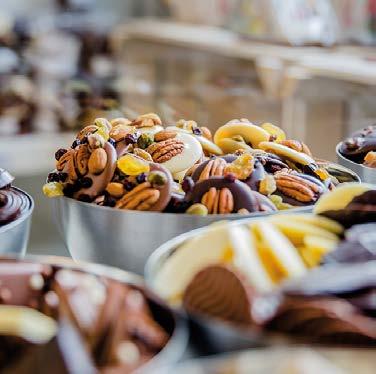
pixel 165 190
pixel 220 292
pixel 199 169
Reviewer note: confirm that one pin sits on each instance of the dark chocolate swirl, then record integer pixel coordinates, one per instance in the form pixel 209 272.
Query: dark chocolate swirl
pixel 13 203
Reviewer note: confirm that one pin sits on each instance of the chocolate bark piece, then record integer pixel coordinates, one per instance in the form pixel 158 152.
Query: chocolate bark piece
pixel 133 336
pixel 82 298
pixel 359 246
pixel 220 292
pixel 324 320
pixel 165 190
pixel 271 162
pixel 362 209
pixel 243 196
pixel 22 283
pixel 100 181
pixel 258 174
pixel 199 169
pixel 64 354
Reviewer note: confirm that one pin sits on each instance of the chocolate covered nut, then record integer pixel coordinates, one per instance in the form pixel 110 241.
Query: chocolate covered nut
pixel 243 196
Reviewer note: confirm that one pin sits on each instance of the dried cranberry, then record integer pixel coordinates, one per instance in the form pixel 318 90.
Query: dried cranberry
pixel 53 177
pixel 75 143
pixel 187 184
pixel 141 178
pixel 86 182
pixel 59 153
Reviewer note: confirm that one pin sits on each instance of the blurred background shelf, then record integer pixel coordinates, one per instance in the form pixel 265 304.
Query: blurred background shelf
pixel 31 154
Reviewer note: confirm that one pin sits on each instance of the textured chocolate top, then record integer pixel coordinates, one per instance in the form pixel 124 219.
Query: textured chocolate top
pixel 103 325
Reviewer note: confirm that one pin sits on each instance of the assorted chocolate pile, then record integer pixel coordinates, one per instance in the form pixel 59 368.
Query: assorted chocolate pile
pixel 290 273
pixel 141 165
pixel 54 319
pixel 13 202
pixel 360 147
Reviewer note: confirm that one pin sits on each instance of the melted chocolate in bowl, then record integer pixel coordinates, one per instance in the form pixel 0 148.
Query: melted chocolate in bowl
pixel 14 203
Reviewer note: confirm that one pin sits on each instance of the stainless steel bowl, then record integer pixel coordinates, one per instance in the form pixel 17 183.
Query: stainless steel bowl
pixel 168 318
pixel 365 173
pixel 122 238
pixel 126 239
pixel 15 235
pixel 209 335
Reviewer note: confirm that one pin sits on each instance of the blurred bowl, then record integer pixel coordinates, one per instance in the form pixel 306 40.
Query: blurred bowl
pixel 126 239
pixel 210 335
pixel 14 236
pixel 365 173
pixel 169 319
pixel 122 238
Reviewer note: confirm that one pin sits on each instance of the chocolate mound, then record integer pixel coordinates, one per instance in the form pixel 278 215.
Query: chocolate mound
pixel 219 292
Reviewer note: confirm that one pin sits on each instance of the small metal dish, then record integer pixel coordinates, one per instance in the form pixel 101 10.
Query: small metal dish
pixel 126 239
pixel 15 235
pixel 165 316
pixel 365 173
pixel 209 335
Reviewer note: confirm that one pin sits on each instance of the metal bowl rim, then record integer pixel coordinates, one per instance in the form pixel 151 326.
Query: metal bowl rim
pixel 179 337
pixel 339 154
pixel 25 216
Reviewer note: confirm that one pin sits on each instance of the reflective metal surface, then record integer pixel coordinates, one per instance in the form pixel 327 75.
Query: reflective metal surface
pixel 209 335
pixel 366 174
pixel 15 235
pixel 121 238
pixel 168 318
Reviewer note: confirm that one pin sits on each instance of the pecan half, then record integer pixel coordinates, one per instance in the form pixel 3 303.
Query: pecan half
pixel 82 159
pixel 142 197
pixel 165 150
pixel 147 120
pixel 297 187
pixel 164 135
pixel 97 161
pixel 67 163
pixel 296 145
pixel 214 167
pixel 218 201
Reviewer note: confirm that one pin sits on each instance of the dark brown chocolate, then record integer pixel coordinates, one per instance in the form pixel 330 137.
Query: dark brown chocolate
pixel 362 209
pixel 244 197
pixel 13 203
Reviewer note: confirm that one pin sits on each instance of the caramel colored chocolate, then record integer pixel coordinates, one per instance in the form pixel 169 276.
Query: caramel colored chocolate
pixel 220 292
pixel 165 190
